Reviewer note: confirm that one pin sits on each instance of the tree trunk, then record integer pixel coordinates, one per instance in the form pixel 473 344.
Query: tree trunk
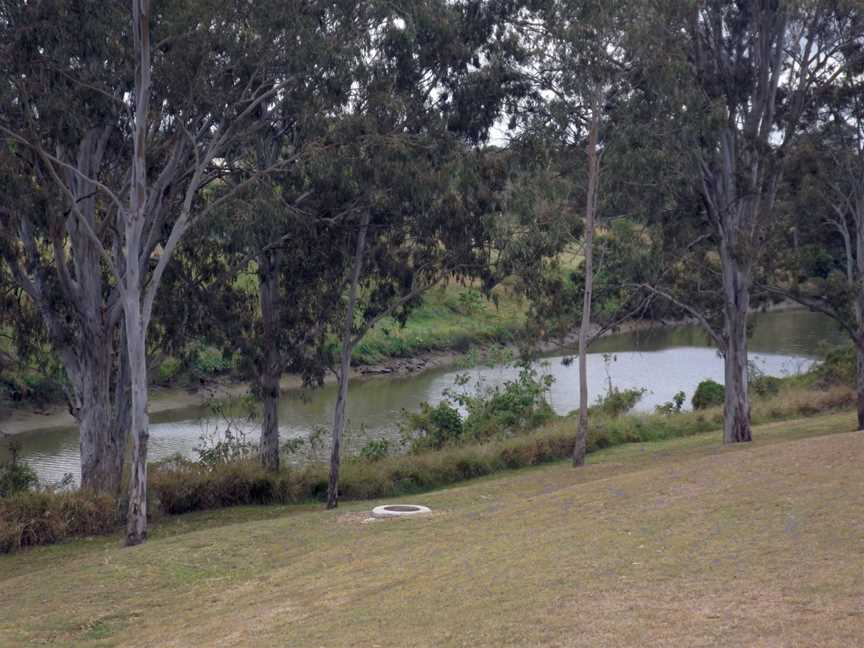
pixel 580 447
pixel 345 367
pixel 859 354
pixel 858 285
pixel 101 448
pixel 133 282
pixel 136 524
pixel 270 362
pixel 122 416
pixel 736 295
pixel 101 454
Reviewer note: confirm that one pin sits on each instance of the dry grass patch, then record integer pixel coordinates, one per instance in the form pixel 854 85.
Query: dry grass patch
pixel 676 543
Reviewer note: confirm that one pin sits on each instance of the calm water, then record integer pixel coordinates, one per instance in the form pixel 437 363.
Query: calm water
pixel 663 361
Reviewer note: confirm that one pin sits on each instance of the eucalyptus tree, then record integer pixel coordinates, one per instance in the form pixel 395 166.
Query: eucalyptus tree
pixel 158 108
pixel 436 78
pixel 825 272
pixel 58 126
pixel 747 74
pixel 280 227
pixel 580 65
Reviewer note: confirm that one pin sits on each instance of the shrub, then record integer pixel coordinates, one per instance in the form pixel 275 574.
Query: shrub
pixel 433 427
pixel 168 370
pixel 617 402
pixel 674 406
pixel 763 385
pixel 230 446
pixel 708 394
pixel 16 477
pixel 375 450
pixel 32 387
pixel 516 406
pixel 838 367
pixel 209 361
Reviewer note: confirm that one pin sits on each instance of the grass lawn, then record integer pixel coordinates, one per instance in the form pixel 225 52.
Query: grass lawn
pixel 682 543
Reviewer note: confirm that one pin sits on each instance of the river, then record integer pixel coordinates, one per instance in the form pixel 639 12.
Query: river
pixel 664 361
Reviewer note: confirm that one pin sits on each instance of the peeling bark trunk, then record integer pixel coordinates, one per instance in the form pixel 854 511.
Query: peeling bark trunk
pixel 345 367
pixel 101 449
pixel 122 418
pixel 736 306
pixel 136 525
pixel 580 447
pixel 136 324
pixel 270 369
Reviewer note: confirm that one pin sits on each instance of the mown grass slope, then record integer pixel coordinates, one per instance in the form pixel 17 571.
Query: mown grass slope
pixel 683 542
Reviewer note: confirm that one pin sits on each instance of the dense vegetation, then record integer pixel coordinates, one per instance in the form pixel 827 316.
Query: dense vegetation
pixel 195 188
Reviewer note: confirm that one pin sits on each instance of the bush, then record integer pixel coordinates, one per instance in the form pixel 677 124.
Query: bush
pixel 617 402
pixel 168 370
pixel 708 394
pixel 516 406
pixel 433 427
pixel 763 385
pixel 838 368
pixel 674 406
pixel 31 387
pixel 207 361
pixel 375 450
pixel 16 477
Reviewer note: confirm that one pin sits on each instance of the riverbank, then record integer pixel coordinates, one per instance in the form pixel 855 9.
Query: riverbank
pixel 166 401
pixel 684 529
pixel 442 309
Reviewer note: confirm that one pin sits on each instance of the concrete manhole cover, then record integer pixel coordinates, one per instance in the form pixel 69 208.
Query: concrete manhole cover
pixel 399 510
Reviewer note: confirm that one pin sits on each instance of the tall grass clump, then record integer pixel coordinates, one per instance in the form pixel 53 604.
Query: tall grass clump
pixel 45 517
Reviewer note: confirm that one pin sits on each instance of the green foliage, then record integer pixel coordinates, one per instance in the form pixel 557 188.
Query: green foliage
pixel 674 406
pixel 433 427
pixel 375 450
pixel 15 476
pixel 763 385
pixel 708 394
pixel 838 368
pixel 440 323
pixel 168 370
pixel 32 387
pixel 207 361
pixel 514 407
pixel 470 302
pixel 232 446
pixel 616 402
pixel 816 261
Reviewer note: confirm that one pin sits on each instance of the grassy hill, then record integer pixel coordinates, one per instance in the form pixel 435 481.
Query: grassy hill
pixel 684 542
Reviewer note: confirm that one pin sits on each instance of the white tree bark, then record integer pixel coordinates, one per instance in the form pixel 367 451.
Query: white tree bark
pixel 580 446
pixel 136 325
pixel 347 346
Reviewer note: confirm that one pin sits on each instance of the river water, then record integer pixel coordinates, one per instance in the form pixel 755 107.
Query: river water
pixel 663 361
